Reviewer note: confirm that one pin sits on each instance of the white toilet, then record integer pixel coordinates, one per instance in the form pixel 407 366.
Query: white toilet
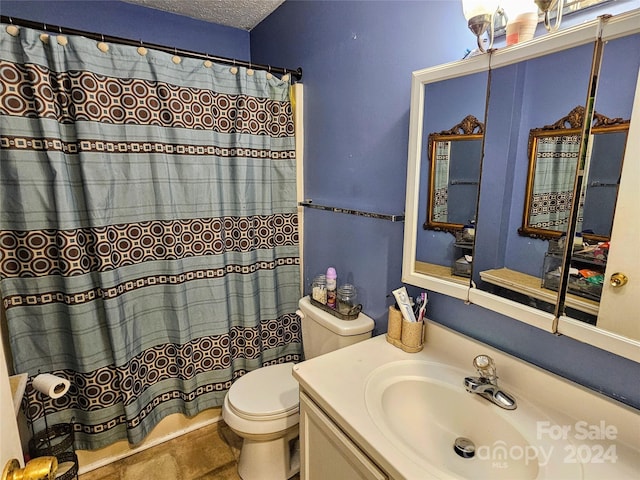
pixel 262 406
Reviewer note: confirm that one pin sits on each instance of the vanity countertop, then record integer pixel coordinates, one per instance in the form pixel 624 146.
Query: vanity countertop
pixel 337 382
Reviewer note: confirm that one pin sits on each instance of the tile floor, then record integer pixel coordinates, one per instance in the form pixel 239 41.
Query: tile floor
pixel 209 453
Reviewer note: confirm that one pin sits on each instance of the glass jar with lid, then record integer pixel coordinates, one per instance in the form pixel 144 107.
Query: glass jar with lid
pixel 319 289
pixel 346 298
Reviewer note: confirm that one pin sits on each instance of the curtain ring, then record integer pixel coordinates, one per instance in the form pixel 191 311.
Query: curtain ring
pixel 269 74
pixel 62 40
pixel 12 29
pixel 103 47
pixel 142 51
pixel 207 63
pixel 234 69
pixel 175 59
pixel 250 71
pixel 44 37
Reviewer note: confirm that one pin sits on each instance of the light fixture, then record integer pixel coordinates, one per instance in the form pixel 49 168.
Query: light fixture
pixel 479 15
pixel 546 6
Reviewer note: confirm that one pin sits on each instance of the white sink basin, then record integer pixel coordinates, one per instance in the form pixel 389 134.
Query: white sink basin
pixel 422 407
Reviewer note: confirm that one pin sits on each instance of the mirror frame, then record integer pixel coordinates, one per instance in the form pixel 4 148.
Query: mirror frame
pixel 470 128
pixel 571 124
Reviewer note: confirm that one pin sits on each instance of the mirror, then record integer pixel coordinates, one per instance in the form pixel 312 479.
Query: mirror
pixel 524 95
pixel 618 94
pixel 442 97
pixel 454 172
pixel 553 154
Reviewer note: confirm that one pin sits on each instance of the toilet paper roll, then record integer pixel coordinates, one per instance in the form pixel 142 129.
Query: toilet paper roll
pixel 50 385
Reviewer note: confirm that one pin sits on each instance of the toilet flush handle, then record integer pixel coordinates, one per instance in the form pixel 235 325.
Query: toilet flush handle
pixel 300 314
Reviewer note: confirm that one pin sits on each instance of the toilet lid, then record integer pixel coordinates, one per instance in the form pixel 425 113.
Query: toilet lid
pixel 266 392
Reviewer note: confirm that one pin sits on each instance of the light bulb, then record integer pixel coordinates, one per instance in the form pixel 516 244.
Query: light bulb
pixel 473 8
pixel 479 15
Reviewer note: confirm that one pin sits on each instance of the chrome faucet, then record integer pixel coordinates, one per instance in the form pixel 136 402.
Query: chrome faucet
pixel 486 383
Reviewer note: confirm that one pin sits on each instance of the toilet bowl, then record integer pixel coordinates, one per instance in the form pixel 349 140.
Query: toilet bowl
pixel 262 406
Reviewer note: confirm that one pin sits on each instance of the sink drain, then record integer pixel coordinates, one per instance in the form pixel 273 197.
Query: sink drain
pixel 464 447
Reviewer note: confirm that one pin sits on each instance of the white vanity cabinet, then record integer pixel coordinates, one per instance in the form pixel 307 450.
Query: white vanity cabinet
pixel 327 453
pixel 373 411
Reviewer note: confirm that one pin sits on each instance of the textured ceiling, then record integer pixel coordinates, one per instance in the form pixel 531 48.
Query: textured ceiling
pixel 243 14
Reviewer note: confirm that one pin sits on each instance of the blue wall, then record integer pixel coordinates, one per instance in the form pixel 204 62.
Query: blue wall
pixel 357 59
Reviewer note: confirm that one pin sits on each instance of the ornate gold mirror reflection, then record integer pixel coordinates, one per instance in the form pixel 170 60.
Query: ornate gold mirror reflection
pixel 454 170
pixel 553 154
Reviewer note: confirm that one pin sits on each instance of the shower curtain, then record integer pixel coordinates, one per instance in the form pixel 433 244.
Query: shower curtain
pixel 148 229
pixel 556 162
pixel 441 182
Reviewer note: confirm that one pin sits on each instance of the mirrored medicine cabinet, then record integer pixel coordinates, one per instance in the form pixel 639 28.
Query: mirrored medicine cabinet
pixel 531 144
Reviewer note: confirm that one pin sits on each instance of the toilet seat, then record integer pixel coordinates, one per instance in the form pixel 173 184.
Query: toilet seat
pixel 268 393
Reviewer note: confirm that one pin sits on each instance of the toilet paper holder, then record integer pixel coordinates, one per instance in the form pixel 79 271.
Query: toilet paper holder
pixel 56 440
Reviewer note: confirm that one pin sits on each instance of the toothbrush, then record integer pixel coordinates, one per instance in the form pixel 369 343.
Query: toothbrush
pixel 423 306
pixel 417 304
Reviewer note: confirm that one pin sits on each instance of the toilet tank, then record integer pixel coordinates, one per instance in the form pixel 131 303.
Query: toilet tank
pixel 324 333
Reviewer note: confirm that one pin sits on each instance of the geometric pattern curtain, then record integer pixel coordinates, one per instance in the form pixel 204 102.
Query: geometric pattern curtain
pixel 555 171
pixel 441 181
pixel 148 229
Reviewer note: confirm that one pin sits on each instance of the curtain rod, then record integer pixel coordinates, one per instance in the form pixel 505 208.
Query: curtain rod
pixel 297 73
